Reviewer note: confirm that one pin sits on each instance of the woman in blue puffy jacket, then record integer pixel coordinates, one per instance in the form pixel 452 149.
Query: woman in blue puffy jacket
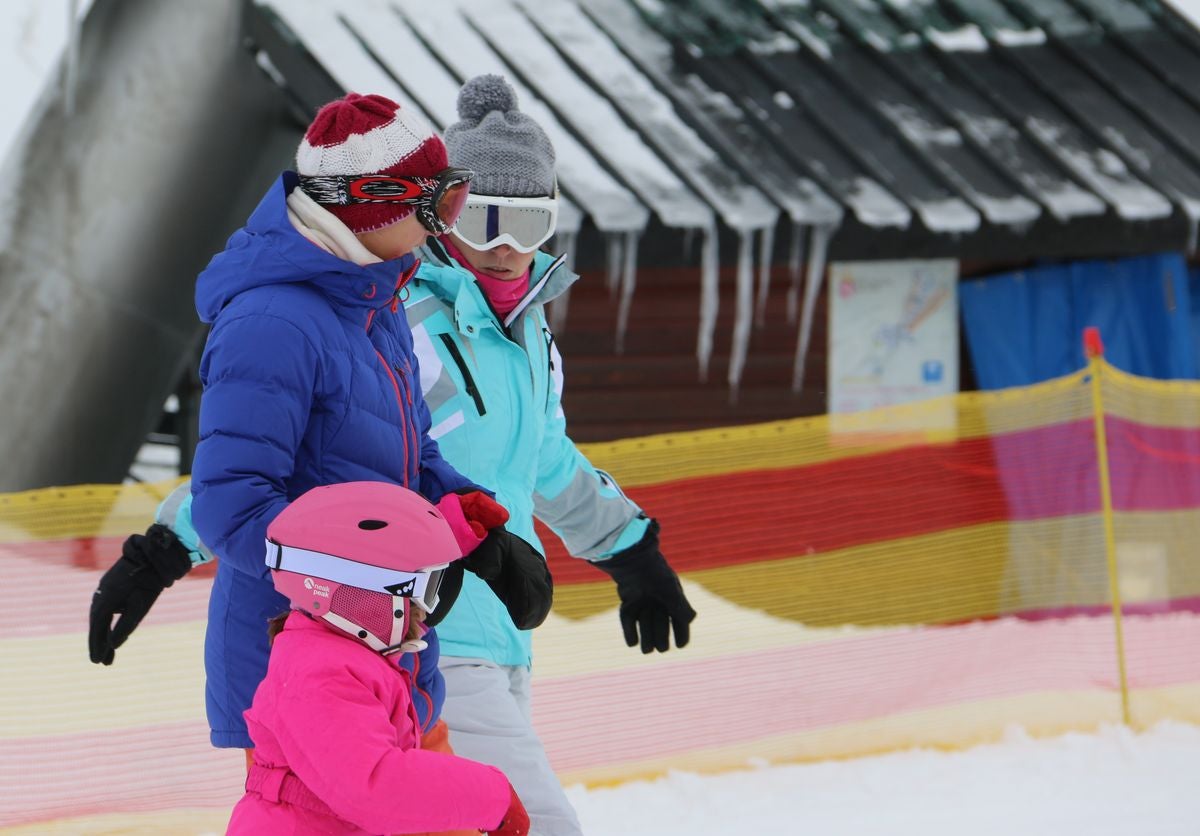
pixel 491 377
pixel 309 375
pixel 309 379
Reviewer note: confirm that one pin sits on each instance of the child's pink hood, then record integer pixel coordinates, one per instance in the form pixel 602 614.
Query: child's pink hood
pixel 339 717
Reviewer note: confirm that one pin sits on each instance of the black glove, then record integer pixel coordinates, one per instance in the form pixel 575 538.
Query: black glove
pixel 518 575
pixel 149 563
pixel 652 600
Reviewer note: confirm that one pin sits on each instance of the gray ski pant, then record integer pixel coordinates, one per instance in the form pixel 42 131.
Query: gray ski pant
pixel 487 712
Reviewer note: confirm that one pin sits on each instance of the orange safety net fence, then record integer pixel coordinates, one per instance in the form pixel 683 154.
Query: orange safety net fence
pixel 917 575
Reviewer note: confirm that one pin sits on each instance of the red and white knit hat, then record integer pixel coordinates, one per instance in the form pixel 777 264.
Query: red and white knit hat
pixel 357 135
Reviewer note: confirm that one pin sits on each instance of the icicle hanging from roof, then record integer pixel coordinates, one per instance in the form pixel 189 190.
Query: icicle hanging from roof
pixel 710 299
pixel 818 248
pixel 743 311
pixel 613 280
pixel 795 271
pixel 628 284
pixel 765 250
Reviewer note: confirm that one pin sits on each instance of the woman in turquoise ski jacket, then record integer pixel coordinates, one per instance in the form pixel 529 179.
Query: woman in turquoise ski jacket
pixel 492 378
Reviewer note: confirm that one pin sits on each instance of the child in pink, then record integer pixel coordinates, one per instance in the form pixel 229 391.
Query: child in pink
pixel 337 740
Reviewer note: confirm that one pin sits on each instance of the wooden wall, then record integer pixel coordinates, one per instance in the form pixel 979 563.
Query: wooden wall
pixel 654 385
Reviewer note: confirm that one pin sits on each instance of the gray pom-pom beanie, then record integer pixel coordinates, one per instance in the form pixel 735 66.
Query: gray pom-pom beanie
pixel 509 152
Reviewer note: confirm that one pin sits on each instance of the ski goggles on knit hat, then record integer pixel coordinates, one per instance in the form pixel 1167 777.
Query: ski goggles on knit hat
pixel 438 200
pixel 420 587
pixel 523 223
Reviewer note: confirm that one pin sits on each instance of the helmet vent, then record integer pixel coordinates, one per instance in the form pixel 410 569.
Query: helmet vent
pixel 371 525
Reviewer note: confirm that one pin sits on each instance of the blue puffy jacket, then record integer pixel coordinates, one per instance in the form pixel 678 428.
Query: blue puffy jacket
pixel 309 379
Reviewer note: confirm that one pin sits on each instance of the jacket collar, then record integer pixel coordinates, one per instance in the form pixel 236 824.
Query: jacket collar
pixel 269 250
pixel 549 278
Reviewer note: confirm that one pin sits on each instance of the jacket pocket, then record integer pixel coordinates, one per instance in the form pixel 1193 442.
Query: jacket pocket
pixel 468 380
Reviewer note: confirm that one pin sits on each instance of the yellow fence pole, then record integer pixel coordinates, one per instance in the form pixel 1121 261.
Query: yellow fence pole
pixel 1094 349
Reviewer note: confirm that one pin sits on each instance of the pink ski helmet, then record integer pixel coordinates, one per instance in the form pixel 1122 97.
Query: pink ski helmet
pixel 357 554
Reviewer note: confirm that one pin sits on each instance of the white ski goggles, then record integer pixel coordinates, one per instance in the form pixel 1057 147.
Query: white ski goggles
pixel 523 223
pixel 420 587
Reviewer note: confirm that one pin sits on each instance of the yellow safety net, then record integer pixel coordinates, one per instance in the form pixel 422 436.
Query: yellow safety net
pixel 917 575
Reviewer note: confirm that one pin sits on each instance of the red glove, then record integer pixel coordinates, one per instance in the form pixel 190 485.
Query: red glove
pixel 515 821
pixel 482 512
pixel 471 516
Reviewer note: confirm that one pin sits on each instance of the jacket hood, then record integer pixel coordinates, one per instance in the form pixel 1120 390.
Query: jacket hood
pixel 268 250
pixel 446 276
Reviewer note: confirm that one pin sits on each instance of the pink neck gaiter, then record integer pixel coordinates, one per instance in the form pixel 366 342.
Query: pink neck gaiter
pixel 504 294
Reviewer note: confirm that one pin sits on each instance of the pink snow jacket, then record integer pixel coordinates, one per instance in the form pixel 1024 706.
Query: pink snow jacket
pixel 337 751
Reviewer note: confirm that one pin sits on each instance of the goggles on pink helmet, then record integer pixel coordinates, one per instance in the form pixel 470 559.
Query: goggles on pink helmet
pixel 357 554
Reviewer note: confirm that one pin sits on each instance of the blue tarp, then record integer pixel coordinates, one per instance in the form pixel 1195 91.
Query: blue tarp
pixel 1027 326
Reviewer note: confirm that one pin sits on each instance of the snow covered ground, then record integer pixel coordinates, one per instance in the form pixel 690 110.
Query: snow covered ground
pixel 1113 782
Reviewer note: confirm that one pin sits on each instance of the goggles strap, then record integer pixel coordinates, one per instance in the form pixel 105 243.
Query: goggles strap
pixel 343 191
pixel 425 193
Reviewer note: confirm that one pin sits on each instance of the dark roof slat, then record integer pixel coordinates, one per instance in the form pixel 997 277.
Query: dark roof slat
pixel 880 78
pixel 1057 17
pixel 1178 23
pixel 864 134
pixel 1118 15
pixel 993 133
pixel 993 17
pixel 801 140
pixel 1011 92
pixel 728 67
pixel 593 56
pixel 1141 90
pixel 710 112
pixel 1175 59
pixel 1057 72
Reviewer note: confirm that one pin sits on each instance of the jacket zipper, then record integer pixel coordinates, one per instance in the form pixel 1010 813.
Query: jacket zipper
pixel 468 381
pixel 405 428
pixel 411 427
pixel 399 403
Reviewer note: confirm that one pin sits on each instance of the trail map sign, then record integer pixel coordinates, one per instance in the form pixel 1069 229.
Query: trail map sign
pixel 893 334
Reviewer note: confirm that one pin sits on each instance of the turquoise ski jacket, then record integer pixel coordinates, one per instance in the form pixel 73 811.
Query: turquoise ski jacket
pixel 494 391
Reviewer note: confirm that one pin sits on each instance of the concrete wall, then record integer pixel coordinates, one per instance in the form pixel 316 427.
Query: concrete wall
pixel 107 215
